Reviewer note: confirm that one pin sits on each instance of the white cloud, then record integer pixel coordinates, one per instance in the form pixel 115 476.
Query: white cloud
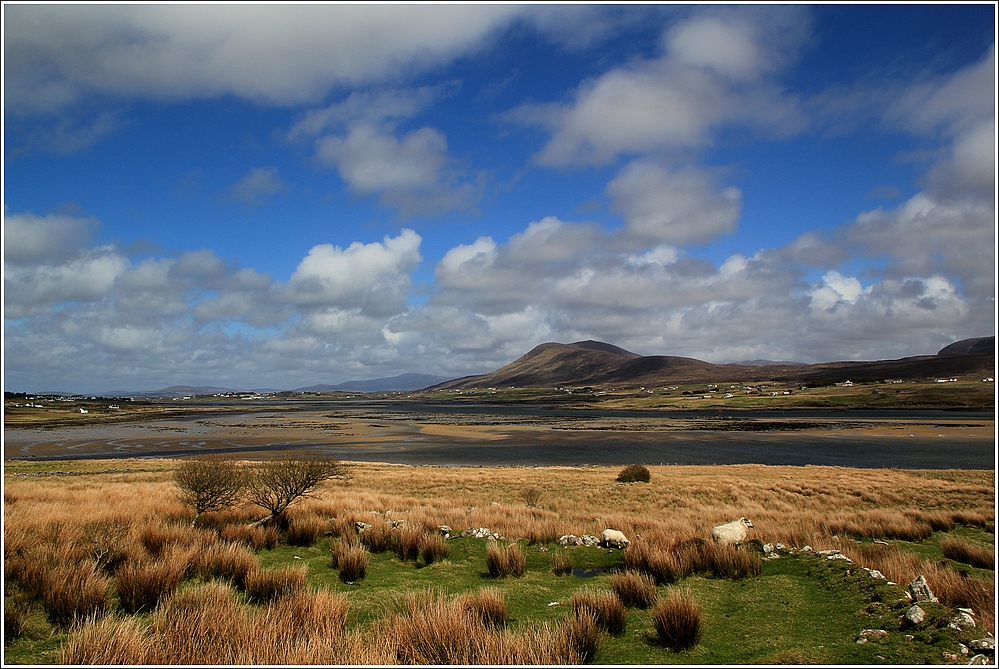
pixel 257 184
pixel 374 278
pixel 58 54
pixel 29 239
pixel 673 207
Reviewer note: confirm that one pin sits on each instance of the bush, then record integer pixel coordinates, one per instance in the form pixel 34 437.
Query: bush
pixel 353 564
pixel 634 589
pixel 433 548
pixel 531 495
pixel 677 621
pixel 210 483
pixel 269 585
pixel 277 483
pixel 509 561
pixel 561 562
pixel 633 473
pixel 604 606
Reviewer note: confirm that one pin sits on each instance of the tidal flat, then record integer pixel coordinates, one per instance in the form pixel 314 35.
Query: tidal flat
pixel 496 435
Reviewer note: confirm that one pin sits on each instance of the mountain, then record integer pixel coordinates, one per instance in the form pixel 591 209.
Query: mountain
pixel 975 346
pixel 590 363
pixel 402 383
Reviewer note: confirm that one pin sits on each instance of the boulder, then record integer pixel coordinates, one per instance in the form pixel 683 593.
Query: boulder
pixel 920 590
pixel 914 615
pixel 980 659
pixel 590 540
pixel 987 645
pixel 962 621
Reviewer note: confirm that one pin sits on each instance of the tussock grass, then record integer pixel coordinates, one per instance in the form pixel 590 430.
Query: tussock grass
pixel 352 563
pixel 377 538
pixel 433 548
pixel 488 604
pixel 227 561
pixel 305 529
pixel 257 537
pixel 505 561
pixel 406 541
pixel 677 620
pixel 269 585
pixel 977 555
pixel 604 606
pixel 634 589
pixel 561 562
pixel 141 586
pixel 16 611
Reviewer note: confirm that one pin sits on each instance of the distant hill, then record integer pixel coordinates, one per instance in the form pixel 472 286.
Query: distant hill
pixel 401 383
pixel 975 346
pixel 590 363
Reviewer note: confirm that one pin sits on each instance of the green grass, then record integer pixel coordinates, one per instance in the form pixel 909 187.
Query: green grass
pixel 800 610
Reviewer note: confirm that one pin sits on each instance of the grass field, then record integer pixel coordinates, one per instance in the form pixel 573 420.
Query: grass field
pixel 103 551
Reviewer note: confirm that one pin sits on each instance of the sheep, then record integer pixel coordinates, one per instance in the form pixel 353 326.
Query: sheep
pixel 732 533
pixel 614 538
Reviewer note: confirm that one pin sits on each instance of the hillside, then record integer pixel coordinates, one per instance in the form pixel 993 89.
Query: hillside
pixel 590 363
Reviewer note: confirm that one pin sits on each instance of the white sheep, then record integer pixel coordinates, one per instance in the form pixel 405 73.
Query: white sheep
pixel 732 533
pixel 614 538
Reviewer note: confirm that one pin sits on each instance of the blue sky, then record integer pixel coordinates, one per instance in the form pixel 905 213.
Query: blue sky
pixel 277 196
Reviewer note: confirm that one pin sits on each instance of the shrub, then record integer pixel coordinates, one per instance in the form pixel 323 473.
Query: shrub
pixel 228 561
pixel 604 606
pixel 959 550
pixel 210 483
pixel 277 483
pixel 634 589
pixel 142 586
pixel 353 564
pixel 433 548
pixel 407 542
pixel 305 530
pixel 377 538
pixel 561 562
pixel 268 585
pixel 531 495
pixel 633 473
pixel 509 561
pixel 677 621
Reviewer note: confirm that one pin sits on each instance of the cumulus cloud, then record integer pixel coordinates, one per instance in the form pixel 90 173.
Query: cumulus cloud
pixel 258 184
pixel 56 55
pixel 677 207
pixel 373 278
pixel 716 71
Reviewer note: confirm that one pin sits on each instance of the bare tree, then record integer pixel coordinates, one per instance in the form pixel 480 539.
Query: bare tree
pixel 210 483
pixel 277 483
pixel 531 495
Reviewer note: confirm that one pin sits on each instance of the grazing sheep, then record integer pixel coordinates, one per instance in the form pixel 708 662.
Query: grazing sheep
pixel 732 533
pixel 614 538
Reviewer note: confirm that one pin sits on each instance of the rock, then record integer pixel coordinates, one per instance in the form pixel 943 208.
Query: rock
pixel 962 621
pixel 570 540
pixel 920 590
pixel 868 634
pixel 806 549
pixel 590 540
pixel 914 615
pixel 909 637
pixel 361 526
pixel 987 645
pixel 771 556
pixel 768 548
pixel 445 530
pixel 479 533
pixel 980 659
pixel 780 547
pixel 874 573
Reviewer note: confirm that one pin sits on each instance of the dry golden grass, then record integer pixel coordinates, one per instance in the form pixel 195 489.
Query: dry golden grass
pixel 85 529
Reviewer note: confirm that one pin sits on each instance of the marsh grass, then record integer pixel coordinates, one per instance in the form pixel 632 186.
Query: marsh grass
pixel 433 548
pixel 406 541
pixel 634 589
pixel 305 529
pixel 74 592
pixel 677 620
pixel 233 562
pixel 561 562
pixel 257 537
pixel 377 538
pixel 976 555
pixel 505 561
pixel 604 606
pixel 269 585
pixel 142 586
pixel 352 563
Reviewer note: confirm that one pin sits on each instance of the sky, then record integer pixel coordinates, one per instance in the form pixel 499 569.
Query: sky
pixel 275 196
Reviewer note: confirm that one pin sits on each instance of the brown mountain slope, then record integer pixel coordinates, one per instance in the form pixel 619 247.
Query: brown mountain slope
pixel 597 364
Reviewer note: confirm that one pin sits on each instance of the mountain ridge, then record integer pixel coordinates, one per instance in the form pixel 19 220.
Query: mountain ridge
pixel 590 363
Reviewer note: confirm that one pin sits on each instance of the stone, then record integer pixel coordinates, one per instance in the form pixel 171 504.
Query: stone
pixel 920 590
pixel 874 573
pixel 780 547
pixel 987 645
pixel 914 615
pixel 768 548
pixel 868 634
pixel 909 637
pixel 361 526
pixel 980 659
pixel 590 540
pixel 962 621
